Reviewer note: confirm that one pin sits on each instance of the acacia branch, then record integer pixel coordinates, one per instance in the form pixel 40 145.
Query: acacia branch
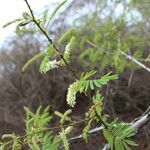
pixel 50 40
pixel 57 50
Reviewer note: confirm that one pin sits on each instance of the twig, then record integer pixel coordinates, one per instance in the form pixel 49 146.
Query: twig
pixel 130 78
pixel 90 132
pixel 127 56
pixel 106 147
pixel 147 111
pixel 135 61
pixel 141 122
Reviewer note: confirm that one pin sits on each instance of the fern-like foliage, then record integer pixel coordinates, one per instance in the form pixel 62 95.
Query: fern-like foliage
pixel 102 50
pixel 50 142
pixel 37 136
pixel 35 123
pixel 21 22
pixel 37 120
pixel 84 84
pixel 26 19
pixel 118 135
pixel 47 63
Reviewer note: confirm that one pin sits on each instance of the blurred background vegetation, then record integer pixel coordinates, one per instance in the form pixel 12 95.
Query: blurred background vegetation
pixel 105 29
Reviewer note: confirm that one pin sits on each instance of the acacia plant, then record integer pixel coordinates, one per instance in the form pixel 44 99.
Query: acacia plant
pixel 38 136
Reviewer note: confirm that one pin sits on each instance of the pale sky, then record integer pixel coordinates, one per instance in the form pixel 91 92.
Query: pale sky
pixel 12 9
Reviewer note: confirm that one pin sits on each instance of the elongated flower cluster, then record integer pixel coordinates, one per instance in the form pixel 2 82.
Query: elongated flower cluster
pixel 49 65
pixel 70 46
pixel 53 64
pixel 71 95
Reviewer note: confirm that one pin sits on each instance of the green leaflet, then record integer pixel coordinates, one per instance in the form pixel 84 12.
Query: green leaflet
pixel 11 22
pixel 26 16
pixel 55 11
pixel 64 139
pixel 50 142
pixel 64 117
pixel 35 145
pixel 65 130
pixel 86 130
pixel 85 84
pixel 85 76
pixel 44 16
pixel 32 60
pixel 36 122
pixel 67 36
pixel 27 30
